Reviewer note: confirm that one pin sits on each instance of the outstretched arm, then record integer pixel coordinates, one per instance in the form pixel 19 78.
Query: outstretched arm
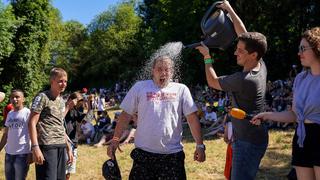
pixel 284 116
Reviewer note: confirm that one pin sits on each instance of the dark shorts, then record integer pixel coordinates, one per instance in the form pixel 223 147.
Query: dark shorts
pixel 54 166
pixel 309 154
pixel 152 166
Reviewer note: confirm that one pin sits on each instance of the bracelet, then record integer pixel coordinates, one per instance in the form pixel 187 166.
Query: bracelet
pixel 201 146
pixel 34 145
pixel 208 61
pixel 116 139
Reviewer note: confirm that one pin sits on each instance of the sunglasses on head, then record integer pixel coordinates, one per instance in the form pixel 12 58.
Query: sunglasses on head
pixel 303 48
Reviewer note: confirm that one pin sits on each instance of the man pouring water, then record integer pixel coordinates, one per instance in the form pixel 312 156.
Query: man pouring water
pixel 248 89
pixel 160 105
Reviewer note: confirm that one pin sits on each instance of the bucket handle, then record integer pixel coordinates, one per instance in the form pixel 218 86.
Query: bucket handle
pixel 208 13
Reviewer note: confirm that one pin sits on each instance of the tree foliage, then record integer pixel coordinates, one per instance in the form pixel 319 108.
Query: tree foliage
pixel 115 44
pixel 112 46
pixel 8 24
pixel 281 21
pixel 26 64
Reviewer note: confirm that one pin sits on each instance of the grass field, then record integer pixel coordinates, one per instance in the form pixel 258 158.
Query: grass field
pixel 275 164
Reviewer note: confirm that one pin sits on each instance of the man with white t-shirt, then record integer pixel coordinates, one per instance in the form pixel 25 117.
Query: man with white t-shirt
pixel 160 105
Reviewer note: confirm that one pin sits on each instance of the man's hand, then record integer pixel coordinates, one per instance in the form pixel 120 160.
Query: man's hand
pixel 199 155
pixel 37 155
pixel 71 103
pixel 225 5
pixel 204 50
pixel 70 156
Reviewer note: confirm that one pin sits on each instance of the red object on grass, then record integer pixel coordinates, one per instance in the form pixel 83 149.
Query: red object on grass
pixel 228 165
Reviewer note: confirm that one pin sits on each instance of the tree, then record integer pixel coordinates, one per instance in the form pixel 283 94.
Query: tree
pixel 65 46
pixel 26 64
pixel 281 21
pixel 110 54
pixel 8 24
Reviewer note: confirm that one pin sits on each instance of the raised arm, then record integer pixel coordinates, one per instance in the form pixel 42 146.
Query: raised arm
pixel 212 78
pixel 237 22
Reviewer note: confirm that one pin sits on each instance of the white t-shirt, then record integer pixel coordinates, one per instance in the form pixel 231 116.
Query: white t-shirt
pixel 211 116
pixel 160 110
pixel 18 141
pixel 101 104
pixel 87 129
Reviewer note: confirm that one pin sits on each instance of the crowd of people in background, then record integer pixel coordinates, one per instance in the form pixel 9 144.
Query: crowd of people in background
pixel 98 127
pixel 94 125
pixel 83 117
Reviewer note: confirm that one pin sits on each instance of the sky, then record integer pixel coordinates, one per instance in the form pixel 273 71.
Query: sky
pixel 80 10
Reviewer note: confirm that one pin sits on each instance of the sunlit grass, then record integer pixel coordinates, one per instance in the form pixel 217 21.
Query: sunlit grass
pixel 275 164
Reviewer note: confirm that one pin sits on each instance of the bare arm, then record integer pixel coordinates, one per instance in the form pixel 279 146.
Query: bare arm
pixel 122 124
pixel 69 105
pixel 36 152
pixel 194 124
pixel 130 136
pixel 195 127
pixel 34 118
pixel 284 116
pixel 69 148
pixel 239 27
pixel 3 141
pixel 212 78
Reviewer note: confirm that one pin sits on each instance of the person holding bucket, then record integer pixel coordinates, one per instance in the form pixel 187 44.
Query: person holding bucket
pixel 248 89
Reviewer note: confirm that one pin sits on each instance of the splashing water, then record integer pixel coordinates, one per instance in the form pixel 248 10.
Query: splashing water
pixel 173 51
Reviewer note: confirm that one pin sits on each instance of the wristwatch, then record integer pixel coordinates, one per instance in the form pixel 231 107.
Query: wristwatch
pixel 201 146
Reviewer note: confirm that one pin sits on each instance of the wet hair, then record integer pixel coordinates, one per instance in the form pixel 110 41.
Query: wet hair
pixel 57 72
pixel 313 38
pixel 161 58
pixel 255 42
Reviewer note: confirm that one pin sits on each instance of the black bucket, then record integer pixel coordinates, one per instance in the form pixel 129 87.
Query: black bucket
pixel 217 29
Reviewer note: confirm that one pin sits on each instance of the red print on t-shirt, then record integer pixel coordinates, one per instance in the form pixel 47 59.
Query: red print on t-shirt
pixel 161 96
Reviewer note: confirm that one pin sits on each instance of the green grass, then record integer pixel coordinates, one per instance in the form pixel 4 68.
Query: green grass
pixel 275 164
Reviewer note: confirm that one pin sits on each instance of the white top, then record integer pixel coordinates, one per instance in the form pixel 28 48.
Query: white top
pixel 160 110
pixel 211 116
pixel 87 128
pixel 18 141
pixel 101 104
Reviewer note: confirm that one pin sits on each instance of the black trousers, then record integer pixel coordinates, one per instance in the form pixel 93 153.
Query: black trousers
pixel 54 166
pixel 152 166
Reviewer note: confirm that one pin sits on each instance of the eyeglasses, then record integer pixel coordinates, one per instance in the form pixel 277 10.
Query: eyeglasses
pixel 303 48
